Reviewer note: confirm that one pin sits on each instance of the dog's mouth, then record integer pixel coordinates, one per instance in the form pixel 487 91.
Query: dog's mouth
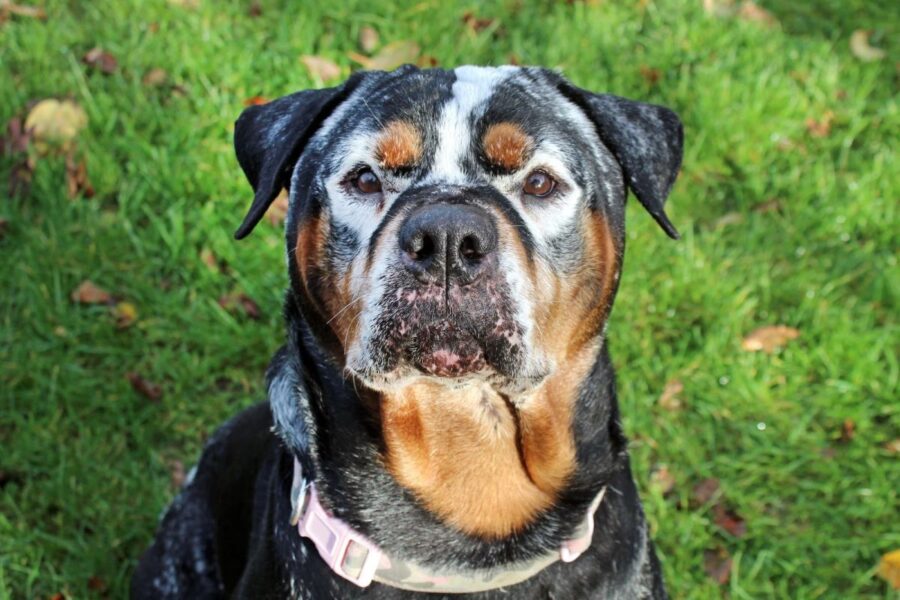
pixel 442 349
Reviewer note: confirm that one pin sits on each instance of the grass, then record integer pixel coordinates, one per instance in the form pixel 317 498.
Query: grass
pixel 86 460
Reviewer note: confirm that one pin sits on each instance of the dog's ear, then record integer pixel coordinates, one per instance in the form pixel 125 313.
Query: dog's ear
pixel 269 139
pixel 646 140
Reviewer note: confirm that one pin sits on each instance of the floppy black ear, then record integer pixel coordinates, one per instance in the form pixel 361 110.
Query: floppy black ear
pixel 269 139
pixel 647 141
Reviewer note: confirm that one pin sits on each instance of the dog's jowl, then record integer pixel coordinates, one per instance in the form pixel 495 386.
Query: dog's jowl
pixel 442 418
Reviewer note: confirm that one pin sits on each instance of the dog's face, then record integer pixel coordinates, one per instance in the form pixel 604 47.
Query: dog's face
pixel 457 225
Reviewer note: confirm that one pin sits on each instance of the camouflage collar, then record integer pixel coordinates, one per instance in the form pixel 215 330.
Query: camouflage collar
pixel 357 559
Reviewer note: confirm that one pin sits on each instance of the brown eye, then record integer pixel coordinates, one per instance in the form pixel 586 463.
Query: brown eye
pixel 367 182
pixel 539 184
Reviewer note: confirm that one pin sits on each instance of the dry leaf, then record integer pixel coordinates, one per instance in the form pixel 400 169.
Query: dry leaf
pixel 240 302
pixel 474 23
pixel 88 292
pixel 19 10
pixel 662 480
pixel 278 210
pixel 729 521
pixel 717 564
pixel 320 68
pixel 427 61
pixel 718 8
pixel 255 9
pixel 704 491
pixel 55 121
pixel 893 446
pixel 16 139
pixel 732 218
pixel 859 46
pixel 209 259
pixel 769 338
pixel 100 59
pixel 889 568
pixel 669 399
pixel 848 430
pixel 177 474
pixel 750 11
pixel 185 3
pixel 96 584
pixel 821 127
pixel 650 74
pixel 150 391
pixel 77 182
pixel 155 77
pixel 368 39
pixel 125 314
pixel 255 101
pixel 770 205
pixel 389 57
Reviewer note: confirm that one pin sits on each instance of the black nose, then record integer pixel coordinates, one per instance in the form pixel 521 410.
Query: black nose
pixel 448 243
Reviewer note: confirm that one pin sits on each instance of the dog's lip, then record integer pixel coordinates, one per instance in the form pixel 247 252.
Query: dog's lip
pixel 447 362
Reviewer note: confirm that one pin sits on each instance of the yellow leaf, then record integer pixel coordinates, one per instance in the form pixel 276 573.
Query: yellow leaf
pixel 125 314
pixel 889 568
pixel 320 68
pixel 859 46
pixel 390 57
pixel 55 121
pixel 669 399
pixel 767 339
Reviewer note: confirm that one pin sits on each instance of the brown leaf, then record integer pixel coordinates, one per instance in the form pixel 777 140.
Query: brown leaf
pixel 769 338
pixel 77 182
pixel 705 491
pixel 662 480
pixel 848 431
pixel 150 391
pixel 717 564
pixel 240 302
pixel 96 584
pixel 650 74
pixel 893 446
pixel 859 46
pixel 101 60
pixel 55 121
pixel 191 4
pixel 255 101
pixel 88 292
pixel 278 210
pixel 155 77
pixel 389 57
pixel 770 205
pixel 751 11
pixel 58 596
pixel 323 69
pixel 669 399
pixel 474 23
pixel 209 259
pixel 889 568
pixel 125 314
pixel 20 10
pixel 820 127
pixel 729 520
pixel 368 39
pixel 16 139
pixel 513 59
pixel 427 61
pixel 177 474
pixel 255 9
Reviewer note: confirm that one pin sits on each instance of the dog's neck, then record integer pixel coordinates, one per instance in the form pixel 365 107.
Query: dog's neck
pixel 466 462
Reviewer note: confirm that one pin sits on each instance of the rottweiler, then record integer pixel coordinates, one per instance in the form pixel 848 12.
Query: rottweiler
pixel 442 419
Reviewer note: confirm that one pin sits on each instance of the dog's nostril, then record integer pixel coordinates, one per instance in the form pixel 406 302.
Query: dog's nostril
pixel 470 247
pixel 421 248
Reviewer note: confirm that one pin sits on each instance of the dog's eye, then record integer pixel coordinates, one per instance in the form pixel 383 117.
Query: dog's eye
pixel 539 184
pixel 367 182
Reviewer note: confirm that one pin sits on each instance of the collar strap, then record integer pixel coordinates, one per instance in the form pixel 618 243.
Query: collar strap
pixel 357 559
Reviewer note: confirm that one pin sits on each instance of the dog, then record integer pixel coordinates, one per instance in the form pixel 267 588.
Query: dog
pixel 442 420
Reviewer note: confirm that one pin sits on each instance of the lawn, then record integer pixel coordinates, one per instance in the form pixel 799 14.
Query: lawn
pixel 785 463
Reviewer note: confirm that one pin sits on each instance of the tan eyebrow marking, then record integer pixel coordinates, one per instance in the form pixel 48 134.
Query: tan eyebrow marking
pixel 399 146
pixel 506 145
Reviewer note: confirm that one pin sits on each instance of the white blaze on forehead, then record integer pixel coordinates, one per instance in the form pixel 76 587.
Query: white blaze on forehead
pixel 471 91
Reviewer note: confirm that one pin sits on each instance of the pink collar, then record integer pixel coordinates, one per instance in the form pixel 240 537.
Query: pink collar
pixel 357 559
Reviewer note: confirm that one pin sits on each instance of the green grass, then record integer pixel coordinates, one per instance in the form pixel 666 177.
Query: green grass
pixel 86 458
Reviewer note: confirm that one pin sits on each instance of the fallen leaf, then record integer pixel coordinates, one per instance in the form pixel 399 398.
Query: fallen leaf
pixel 669 399
pixel 769 338
pixel 662 480
pixel 55 121
pixel 718 8
pixel 278 210
pixel 235 302
pixel 185 3
pixel 848 431
pixel 256 101
pixel 19 10
pixel 125 314
pixel 705 491
pixel 209 259
pixel 751 11
pixel 100 59
pixel 859 46
pixel 16 139
pixel 96 584
pixel 820 127
pixel 893 446
pixel 732 218
pixel 155 77
pixel 320 68
pixel 58 596
pixel 255 9
pixel 474 23
pixel 177 474
pixel 729 520
pixel 368 39
pixel 427 61
pixel 513 59
pixel 77 182
pixel 389 57
pixel 88 292
pixel 150 391
pixel 650 74
pixel 770 205
pixel 889 568
pixel 717 564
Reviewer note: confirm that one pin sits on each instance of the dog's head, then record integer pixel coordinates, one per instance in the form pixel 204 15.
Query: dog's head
pixel 457 224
